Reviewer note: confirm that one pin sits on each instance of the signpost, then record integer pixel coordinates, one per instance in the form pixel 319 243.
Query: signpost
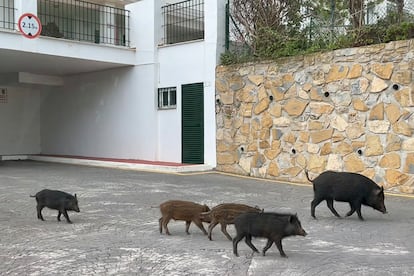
pixel 30 25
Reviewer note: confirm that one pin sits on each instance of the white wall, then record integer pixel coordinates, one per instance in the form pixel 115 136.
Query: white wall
pixel 176 69
pixel 111 113
pixel 114 113
pixel 104 114
pixel 192 62
pixel 20 122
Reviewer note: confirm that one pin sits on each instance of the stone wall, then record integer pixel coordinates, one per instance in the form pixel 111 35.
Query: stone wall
pixel 346 110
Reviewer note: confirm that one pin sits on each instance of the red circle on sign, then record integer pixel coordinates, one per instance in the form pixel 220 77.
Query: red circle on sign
pixel 29 16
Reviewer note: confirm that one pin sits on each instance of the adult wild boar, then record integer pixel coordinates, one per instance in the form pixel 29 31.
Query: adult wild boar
pixel 225 214
pixel 182 210
pixel 354 188
pixel 272 226
pixel 56 200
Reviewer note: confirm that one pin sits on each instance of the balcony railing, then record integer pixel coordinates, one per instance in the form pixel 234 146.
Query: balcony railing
pixel 183 21
pixel 84 21
pixel 7 15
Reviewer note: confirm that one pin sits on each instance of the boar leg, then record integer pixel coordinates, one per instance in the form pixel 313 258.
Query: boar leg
pixel 358 210
pixel 210 229
pixel 39 211
pixel 58 216
pixel 268 245
pixel 160 224
pixel 248 241
pixel 200 225
pixel 187 226
pixel 329 202
pixel 224 230
pixel 355 207
pixel 165 221
pixel 236 240
pixel 65 213
pixel 351 211
pixel 279 246
pixel 315 203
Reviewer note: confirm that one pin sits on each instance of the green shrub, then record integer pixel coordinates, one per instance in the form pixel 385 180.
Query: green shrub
pixel 271 44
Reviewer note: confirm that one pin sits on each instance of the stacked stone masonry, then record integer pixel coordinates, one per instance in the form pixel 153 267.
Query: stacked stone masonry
pixel 347 110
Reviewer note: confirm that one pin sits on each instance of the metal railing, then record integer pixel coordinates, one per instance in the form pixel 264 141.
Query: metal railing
pixel 183 21
pixel 7 10
pixel 84 21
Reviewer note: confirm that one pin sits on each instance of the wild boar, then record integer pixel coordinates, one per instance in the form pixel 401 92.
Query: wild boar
pixel 273 226
pixel 56 200
pixel 225 214
pixel 354 188
pixel 182 210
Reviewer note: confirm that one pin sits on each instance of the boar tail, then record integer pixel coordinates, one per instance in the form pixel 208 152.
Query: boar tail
pixel 32 196
pixel 307 176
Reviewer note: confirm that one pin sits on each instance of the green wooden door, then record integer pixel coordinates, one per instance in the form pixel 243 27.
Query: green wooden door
pixel 192 121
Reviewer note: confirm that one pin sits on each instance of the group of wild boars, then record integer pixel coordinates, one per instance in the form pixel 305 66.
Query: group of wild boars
pixel 354 188
pixel 273 226
pixel 56 200
pixel 249 221
pixel 225 214
pixel 182 210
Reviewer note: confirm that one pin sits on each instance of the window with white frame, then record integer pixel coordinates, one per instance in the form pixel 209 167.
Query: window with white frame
pixel 167 98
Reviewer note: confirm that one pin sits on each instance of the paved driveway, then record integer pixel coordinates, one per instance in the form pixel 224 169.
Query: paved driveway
pixel 116 232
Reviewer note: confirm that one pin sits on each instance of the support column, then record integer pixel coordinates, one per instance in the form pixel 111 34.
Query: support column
pixel 22 7
pixel 108 28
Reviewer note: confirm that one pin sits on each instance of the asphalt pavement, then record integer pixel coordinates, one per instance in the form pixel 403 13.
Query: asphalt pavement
pixel 116 232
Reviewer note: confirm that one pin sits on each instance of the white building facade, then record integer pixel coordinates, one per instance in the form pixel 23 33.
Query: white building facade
pixel 129 82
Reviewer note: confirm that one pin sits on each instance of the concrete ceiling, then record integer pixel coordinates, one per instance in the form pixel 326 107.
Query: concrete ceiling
pixel 17 61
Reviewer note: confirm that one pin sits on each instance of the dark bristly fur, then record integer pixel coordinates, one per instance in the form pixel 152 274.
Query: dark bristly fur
pixel 273 226
pixel 354 188
pixel 56 200
pixel 225 214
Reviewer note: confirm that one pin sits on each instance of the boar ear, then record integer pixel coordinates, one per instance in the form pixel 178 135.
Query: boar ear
pixel 291 218
pixel 380 191
pixel 76 196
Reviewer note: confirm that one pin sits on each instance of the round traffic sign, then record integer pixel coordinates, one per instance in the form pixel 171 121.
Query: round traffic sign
pixel 30 25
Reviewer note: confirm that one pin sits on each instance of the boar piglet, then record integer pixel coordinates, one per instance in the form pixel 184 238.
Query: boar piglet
pixel 56 200
pixel 273 226
pixel 225 214
pixel 354 188
pixel 182 210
